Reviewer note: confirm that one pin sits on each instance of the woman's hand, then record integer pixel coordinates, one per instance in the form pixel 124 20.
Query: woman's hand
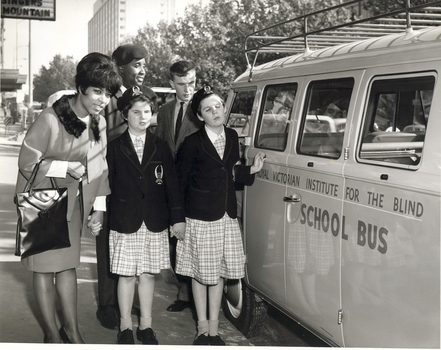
pixel 95 221
pixel 178 230
pixel 76 170
pixel 258 162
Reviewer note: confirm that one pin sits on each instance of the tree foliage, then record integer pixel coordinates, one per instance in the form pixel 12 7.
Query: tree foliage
pixel 59 76
pixel 213 36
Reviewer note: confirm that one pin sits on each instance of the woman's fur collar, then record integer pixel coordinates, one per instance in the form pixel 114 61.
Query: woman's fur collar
pixel 71 122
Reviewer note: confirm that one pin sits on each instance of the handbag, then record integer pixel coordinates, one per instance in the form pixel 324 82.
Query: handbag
pixel 42 223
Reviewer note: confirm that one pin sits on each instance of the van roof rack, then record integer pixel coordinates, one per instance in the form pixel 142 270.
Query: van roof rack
pixel 305 39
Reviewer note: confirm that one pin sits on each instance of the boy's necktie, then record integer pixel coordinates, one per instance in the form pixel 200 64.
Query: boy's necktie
pixel 179 121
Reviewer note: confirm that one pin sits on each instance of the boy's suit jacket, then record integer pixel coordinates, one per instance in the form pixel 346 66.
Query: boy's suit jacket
pixel 206 180
pixel 166 128
pixel 137 191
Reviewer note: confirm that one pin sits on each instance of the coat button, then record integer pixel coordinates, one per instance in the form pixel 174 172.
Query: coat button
pixel 142 195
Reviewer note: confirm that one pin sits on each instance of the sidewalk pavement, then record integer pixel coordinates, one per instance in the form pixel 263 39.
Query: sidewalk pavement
pixel 19 320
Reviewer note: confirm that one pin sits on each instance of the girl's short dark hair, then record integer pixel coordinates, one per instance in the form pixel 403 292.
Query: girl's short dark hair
pixel 133 100
pixel 97 70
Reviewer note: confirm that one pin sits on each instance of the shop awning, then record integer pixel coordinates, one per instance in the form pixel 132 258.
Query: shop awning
pixel 11 80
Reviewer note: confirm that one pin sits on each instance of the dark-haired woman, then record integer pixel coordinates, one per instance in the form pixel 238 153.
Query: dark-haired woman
pixel 69 139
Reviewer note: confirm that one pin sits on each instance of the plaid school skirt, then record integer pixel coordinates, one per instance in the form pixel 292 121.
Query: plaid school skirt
pixel 211 249
pixel 139 252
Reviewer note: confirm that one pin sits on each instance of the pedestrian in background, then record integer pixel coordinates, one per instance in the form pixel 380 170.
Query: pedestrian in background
pixel 145 201
pixel 175 122
pixel 208 168
pixel 131 62
pixel 70 140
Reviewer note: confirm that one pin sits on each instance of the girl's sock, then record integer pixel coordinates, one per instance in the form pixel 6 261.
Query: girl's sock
pixel 125 323
pixel 213 327
pixel 145 322
pixel 202 327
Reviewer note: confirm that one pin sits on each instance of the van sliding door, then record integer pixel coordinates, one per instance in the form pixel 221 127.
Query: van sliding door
pixel 314 221
pixel 391 257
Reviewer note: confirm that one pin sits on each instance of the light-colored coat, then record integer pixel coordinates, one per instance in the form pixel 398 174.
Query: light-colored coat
pixel 48 140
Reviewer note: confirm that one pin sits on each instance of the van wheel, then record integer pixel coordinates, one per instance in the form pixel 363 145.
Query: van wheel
pixel 241 308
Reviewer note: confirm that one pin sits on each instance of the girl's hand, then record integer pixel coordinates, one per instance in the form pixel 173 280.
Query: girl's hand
pixel 178 230
pixel 76 170
pixel 258 162
pixel 95 221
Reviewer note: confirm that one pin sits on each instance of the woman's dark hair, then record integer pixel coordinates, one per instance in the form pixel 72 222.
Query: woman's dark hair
pixel 97 70
pixel 137 98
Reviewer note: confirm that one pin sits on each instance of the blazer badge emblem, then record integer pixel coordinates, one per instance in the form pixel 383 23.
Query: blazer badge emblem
pixel 159 173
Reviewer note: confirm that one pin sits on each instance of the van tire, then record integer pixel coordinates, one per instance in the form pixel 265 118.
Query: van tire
pixel 241 308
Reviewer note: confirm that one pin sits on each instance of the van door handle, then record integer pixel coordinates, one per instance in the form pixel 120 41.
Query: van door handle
pixel 291 199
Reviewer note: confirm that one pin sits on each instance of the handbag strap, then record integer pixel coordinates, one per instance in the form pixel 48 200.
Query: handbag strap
pixel 30 182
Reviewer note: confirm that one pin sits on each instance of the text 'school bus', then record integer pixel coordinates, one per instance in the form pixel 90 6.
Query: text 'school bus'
pixel 341 228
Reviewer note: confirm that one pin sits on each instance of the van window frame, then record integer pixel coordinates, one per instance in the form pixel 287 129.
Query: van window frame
pixel 280 139
pixel 389 148
pixel 245 128
pixel 300 147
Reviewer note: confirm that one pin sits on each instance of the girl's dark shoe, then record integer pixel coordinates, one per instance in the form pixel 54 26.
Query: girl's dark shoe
pixel 216 340
pixel 146 336
pixel 126 337
pixel 202 339
pixel 64 337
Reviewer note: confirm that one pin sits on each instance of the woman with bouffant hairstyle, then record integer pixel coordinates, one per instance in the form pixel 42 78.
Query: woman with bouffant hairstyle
pixel 69 141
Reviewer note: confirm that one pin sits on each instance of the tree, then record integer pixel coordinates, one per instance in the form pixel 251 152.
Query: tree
pixel 59 76
pixel 213 36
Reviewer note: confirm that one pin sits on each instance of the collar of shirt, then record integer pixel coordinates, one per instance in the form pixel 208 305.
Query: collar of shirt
pixel 213 136
pixel 133 137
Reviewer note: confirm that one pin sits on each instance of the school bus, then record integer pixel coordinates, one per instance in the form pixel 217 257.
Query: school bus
pixel 341 228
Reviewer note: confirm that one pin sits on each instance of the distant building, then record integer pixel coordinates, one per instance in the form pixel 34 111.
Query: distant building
pixel 113 20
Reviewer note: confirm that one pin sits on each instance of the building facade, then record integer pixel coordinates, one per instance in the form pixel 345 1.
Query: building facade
pixel 113 20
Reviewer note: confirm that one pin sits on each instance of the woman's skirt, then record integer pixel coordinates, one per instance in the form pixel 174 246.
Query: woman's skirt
pixel 210 250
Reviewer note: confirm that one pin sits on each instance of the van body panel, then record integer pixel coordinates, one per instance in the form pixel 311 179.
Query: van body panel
pixel 348 243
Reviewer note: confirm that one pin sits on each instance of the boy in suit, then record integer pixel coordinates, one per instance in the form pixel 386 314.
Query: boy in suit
pixel 175 122
pixel 145 200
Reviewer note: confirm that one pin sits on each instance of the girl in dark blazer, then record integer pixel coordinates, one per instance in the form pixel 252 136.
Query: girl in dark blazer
pixel 212 248
pixel 145 200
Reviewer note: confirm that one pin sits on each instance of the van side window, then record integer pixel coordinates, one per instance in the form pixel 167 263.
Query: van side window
pixel 396 120
pixel 240 113
pixel 275 116
pixel 324 119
